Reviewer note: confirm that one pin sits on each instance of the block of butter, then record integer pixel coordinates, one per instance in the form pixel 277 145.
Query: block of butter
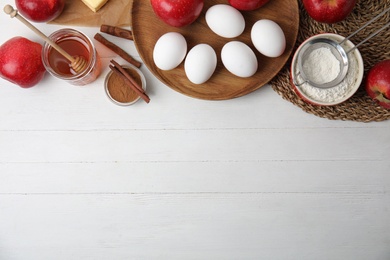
pixel 95 5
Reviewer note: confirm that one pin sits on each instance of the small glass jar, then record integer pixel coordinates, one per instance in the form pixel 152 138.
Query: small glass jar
pixel 118 92
pixel 76 44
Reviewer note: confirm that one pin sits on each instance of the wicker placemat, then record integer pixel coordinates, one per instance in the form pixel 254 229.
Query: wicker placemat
pixel 360 107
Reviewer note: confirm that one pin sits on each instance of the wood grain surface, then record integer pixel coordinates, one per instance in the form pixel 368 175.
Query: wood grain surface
pixel 183 178
pixel 148 28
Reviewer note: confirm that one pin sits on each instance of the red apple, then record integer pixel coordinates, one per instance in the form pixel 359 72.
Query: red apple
pixel 177 13
pixel 21 62
pixel 378 83
pixel 40 10
pixel 329 11
pixel 247 5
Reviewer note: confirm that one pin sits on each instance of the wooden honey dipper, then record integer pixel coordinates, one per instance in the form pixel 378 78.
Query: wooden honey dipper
pixel 77 63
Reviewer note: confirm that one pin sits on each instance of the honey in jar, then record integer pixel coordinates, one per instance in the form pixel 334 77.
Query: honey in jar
pixel 76 44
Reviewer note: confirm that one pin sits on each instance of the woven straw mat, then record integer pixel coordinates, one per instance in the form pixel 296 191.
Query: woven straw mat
pixel 360 107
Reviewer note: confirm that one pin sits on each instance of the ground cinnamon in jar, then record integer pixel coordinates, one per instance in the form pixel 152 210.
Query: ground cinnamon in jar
pixel 119 90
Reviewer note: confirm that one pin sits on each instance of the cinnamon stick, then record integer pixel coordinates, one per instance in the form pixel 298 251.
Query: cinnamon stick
pixel 117 50
pixel 126 77
pixel 117 31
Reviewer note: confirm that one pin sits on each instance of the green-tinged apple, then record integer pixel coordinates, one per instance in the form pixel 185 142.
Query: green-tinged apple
pixel 40 10
pixel 177 13
pixel 21 62
pixel 247 5
pixel 329 11
pixel 378 83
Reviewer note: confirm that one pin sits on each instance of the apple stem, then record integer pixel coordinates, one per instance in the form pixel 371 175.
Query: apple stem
pixel 77 63
pixel 381 97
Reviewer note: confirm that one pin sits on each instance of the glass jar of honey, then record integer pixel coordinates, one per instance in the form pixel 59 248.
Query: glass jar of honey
pixel 76 44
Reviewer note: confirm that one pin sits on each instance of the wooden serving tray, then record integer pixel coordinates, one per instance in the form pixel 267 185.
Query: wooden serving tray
pixel 147 29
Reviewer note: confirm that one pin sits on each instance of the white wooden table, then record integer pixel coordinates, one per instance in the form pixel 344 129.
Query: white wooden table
pixel 181 178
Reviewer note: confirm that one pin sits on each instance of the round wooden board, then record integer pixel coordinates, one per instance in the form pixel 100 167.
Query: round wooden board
pixel 147 29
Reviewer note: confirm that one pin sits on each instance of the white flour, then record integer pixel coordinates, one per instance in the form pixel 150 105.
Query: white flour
pixel 321 66
pixel 335 93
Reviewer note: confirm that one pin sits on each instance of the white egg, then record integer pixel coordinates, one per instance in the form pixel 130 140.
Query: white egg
pixel 239 59
pixel 200 63
pixel 169 51
pixel 268 38
pixel 225 20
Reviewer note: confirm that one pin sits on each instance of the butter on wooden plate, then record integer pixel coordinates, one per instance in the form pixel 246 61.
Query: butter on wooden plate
pixel 95 5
